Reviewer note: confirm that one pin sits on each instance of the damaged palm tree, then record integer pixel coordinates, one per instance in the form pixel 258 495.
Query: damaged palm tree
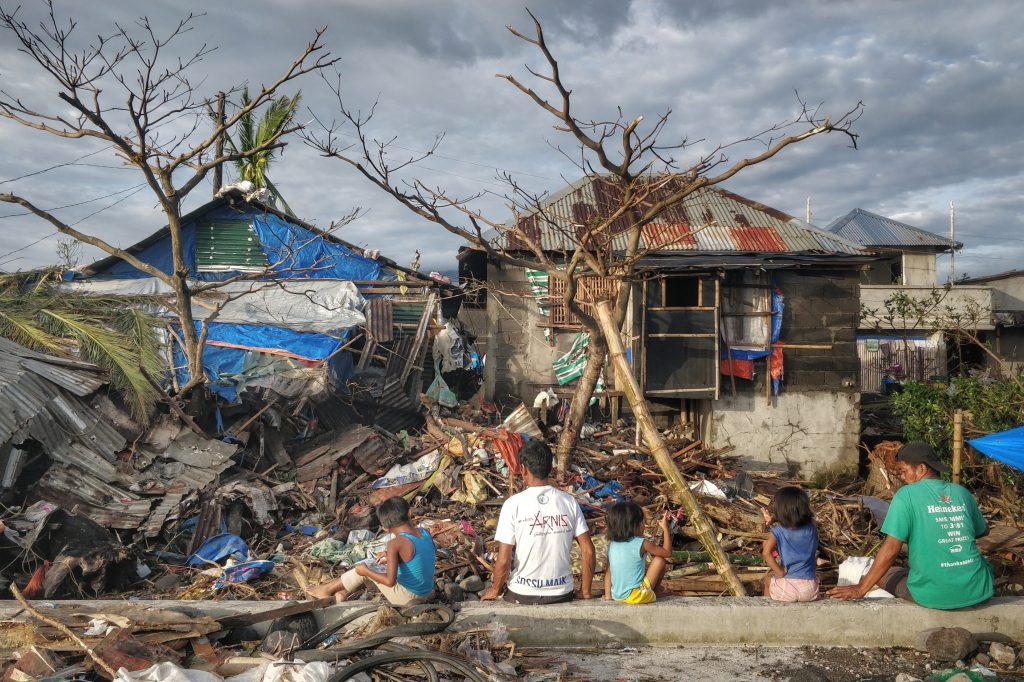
pixel 130 90
pixel 253 134
pixel 114 333
pixel 625 153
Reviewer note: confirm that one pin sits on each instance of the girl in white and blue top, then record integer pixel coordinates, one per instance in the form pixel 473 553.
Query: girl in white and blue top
pixel 629 579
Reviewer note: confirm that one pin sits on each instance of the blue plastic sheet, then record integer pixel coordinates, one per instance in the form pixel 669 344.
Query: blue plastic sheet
pixel 243 572
pixel 1005 446
pixel 290 249
pixel 220 547
pixel 296 252
pixel 610 489
pixel 225 366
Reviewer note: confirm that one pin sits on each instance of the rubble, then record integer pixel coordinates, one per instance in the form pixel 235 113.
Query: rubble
pixel 283 500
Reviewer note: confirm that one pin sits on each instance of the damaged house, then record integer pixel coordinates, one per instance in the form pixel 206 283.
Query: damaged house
pixel 305 311
pixel 742 322
pixel 892 346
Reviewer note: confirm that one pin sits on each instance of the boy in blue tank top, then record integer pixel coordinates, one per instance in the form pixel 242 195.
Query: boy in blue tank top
pixel 410 559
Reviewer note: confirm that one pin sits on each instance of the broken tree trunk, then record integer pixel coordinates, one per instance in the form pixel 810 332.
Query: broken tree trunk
pixel 645 424
pixel 578 408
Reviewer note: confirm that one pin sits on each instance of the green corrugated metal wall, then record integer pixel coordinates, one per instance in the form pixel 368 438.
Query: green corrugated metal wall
pixel 228 243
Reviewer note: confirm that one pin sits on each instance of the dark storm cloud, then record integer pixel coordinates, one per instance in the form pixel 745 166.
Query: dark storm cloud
pixel 942 87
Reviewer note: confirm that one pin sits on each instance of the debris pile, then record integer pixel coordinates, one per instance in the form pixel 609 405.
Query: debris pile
pixel 283 500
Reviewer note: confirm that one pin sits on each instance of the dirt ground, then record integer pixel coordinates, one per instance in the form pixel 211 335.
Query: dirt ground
pixel 753 663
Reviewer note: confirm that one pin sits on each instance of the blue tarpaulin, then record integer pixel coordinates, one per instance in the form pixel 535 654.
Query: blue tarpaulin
pixel 291 250
pixel 225 366
pixel 1005 446
pixel 294 251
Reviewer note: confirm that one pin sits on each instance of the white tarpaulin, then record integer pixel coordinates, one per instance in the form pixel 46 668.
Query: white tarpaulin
pixel 308 305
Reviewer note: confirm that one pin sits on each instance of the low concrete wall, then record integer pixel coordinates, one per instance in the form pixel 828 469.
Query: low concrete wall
pixel 751 620
pixel 806 430
pixel 671 621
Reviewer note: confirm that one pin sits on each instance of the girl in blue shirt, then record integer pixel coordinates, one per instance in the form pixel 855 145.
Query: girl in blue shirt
pixel 629 579
pixel 793 538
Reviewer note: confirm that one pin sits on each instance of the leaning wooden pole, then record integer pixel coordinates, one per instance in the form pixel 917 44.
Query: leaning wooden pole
pixel 645 424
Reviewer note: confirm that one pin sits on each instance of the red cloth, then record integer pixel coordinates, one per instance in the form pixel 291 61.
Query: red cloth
pixel 744 369
pixel 509 449
pixel 34 589
pixel 775 364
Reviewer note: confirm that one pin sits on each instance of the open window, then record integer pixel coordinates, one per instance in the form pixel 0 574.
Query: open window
pixel 680 339
pixel 228 246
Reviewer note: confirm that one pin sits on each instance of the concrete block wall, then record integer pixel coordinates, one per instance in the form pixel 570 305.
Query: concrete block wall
pixel 814 423
pixel 511 333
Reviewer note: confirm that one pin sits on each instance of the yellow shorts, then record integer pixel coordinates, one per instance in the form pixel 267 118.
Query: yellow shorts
pixel 643 594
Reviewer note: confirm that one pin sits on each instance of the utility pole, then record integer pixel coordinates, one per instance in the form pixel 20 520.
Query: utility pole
pixel 952 243
pixel 807 212
pixel 218 172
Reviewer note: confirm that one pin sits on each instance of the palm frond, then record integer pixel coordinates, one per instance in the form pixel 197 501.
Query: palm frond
pixel 106 348
pixel 24 328
pixel 252 134
pixel 139 328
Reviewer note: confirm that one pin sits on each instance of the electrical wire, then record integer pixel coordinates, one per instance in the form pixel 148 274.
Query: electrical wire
pixel 59 165
pixel 138 189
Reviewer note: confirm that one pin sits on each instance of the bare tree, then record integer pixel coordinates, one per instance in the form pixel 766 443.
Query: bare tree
pixel 634 162
pixel 130 88
pixel 959 319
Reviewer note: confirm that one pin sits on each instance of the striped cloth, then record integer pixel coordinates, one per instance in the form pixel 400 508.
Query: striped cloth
pixel 570 366
pixel 538 280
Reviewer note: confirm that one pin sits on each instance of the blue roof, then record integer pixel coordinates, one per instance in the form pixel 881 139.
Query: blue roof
pixel 870 229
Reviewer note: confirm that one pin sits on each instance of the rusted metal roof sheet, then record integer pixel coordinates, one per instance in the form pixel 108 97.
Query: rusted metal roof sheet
pixel 710 219
pixel 871 229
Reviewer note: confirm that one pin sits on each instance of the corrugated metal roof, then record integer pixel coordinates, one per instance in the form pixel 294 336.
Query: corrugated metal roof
pixel 710 219
pixel 870 229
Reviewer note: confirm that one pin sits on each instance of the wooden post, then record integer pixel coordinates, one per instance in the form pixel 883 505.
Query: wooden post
pixel 218 171
pixel 958 443
pixel 645 424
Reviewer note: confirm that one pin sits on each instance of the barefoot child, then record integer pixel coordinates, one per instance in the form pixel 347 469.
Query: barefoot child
pixel 409 559
pixel 793 535
pixel 627 580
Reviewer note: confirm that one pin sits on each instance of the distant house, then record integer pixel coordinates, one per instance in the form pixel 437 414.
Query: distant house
pixel 308 309
pixel 1007 337
pixel 906 264
pixel 727 287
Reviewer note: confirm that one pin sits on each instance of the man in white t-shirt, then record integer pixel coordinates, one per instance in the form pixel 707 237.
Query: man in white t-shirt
pixel 537 527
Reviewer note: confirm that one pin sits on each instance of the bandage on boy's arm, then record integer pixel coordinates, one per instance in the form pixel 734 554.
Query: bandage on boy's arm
pixel 587 556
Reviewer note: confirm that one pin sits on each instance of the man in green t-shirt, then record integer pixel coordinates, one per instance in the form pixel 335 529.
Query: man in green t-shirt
pixel 939 522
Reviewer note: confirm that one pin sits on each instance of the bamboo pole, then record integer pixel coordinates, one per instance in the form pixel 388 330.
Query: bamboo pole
pixel 958 443
pixel 645 424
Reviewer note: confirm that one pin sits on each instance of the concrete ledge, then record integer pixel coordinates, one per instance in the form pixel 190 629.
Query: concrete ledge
pixel 670 621
pixel 749 620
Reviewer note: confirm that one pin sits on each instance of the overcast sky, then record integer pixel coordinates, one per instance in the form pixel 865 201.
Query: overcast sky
pixel 941 83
